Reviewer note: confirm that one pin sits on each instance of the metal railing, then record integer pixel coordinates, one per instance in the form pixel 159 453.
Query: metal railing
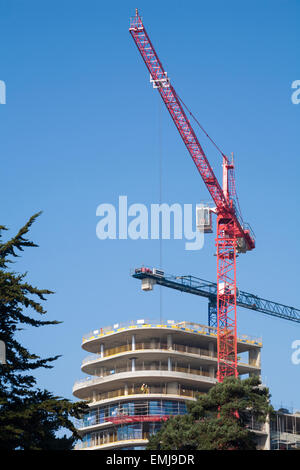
pixel 86 381
pixel 152 389
pixel 133 409
pixel 105 439
pixel 149 346
pixel 145 323
pixel 201 352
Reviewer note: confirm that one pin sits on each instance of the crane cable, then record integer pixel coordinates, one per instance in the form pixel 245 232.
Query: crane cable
pixel 201 127
pixel 212 141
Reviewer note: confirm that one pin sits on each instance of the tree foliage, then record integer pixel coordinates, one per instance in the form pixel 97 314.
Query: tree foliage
pixel 218 420
pixel 29 416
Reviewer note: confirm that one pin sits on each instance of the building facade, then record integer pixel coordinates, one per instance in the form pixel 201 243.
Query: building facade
pixel 285 430
pixel 141 373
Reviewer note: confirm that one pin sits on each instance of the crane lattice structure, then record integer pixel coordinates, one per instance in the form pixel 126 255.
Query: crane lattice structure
pixel 201 287
pixel 233 235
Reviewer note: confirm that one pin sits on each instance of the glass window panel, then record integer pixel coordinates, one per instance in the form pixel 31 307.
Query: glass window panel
pixel 155 407
pixel 101 415
pixel 113 410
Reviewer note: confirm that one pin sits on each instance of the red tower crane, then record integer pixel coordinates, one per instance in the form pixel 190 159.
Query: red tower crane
pixel 233 236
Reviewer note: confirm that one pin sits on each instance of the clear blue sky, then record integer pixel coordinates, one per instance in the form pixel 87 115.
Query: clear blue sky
pixel 81 127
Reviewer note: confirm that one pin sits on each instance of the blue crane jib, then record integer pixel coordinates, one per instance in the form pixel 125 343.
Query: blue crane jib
pixel 203 288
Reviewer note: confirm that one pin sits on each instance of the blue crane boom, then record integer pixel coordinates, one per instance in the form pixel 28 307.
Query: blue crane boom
pixel 208 289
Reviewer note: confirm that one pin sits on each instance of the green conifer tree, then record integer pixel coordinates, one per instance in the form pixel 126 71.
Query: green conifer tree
pixel 29 417
pixel 218 420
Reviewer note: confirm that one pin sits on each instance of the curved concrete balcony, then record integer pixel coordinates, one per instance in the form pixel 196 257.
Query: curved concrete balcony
pixel 207 358
pixel 91 341
pixel 133 392
pixel 83 388
pixel 82 427
pixel 131 411
pixel 114 444
pixel 92 362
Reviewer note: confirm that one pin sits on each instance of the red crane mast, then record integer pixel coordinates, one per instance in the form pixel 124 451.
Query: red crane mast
pixel 232 234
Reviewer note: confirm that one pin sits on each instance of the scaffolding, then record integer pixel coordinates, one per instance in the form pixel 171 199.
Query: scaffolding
pixel 285 430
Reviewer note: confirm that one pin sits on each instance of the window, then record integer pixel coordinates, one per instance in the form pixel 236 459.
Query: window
pixel 101 415
pixel 154 428
pixel 113 410
pixel 170 407
pixel 155 408
pixel 131 431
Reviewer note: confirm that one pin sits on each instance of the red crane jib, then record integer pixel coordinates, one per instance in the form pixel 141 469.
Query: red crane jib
pixel 230 228
pixel 172 102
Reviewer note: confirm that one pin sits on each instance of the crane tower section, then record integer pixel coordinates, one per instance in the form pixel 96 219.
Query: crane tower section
pixel 232 234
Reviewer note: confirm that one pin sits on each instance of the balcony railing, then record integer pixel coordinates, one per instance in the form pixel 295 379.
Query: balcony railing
pixel 86 381
pixel 133 411
pixel 201 352
pixel 106 439
pixel 190 327
pixel 150 346
pixel 152 389
pixel 130 433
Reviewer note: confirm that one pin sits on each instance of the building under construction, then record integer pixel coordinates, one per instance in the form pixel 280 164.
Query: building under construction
pixel 141 373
